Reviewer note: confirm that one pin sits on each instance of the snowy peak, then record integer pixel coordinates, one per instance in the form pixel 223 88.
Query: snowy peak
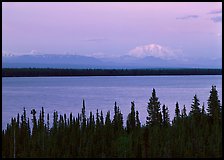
pixel 154 50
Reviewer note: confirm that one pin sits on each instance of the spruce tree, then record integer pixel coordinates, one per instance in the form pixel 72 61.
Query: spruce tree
pixel 195 110
pixel 117 120
pixel 107 119
pixel 177 111
pixel 214 111
pixel 101 119
pixel 166 118
pixel 131 122
pixel 97 120
pixel 138 123
pixel 34 120
pixel 83 115
pixel 153 110
pixel 184 112
pixel 48 123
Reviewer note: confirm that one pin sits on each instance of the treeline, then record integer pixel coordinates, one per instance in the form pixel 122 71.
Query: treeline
pixel 196 134
pixel 35 72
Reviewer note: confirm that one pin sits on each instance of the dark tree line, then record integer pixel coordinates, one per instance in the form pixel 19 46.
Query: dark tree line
pixel 198 134
pixel 35 72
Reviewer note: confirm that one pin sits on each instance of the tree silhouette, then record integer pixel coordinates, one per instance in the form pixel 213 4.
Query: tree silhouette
pixel 166 118
pixel 153 110
pixel 214 111
pixel 195 110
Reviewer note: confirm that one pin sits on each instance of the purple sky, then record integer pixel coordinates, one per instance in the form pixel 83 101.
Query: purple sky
pixel 112 29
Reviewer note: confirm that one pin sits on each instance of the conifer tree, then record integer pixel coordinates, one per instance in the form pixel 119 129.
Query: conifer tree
pixel 132 118
pixel 214 111
pixel 153 110
pixel 83 115
pixel 91 122
pixel 48 123
pixel 195 110
pixel 55 121
pixel 107 119
pixel 166 118
pixel 115 119
pixel 97 120
pixel 65 120
pixel 131 122
pixel 138 123
pixel 34 120
pixel 70 120
pixel 101 119
pixel 120 120
pixel 177 111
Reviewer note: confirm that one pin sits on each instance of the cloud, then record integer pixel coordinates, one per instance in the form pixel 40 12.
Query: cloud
pixel 187 17
pixel 154 50
pixel 215 11
pixel 95 39
pixel 217 19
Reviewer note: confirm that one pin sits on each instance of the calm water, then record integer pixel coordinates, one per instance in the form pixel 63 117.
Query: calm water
pixel 65 94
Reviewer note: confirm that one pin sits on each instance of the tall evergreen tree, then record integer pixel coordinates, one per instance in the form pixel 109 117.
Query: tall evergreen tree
pixel 97 119
pixel 131 122
pixel 91 122
pixel 153 110
pixel 101 119
pixel 118 119
pixel 195 110
pixel 107 119
pixel 138 123
pixel 177 111
pixel 48 122
pixel 83 115
pixel 34 120
pixel 166 118
pixel 55 121
pixel 132 118
pixel 214 111
pixel 108 134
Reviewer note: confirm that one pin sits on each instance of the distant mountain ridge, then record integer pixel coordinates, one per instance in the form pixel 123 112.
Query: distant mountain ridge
pixel 79 61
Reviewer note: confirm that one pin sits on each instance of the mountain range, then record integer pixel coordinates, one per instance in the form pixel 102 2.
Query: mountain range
pixel 80 61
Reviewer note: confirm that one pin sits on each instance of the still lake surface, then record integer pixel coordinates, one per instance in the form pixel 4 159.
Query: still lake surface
pixel 65 94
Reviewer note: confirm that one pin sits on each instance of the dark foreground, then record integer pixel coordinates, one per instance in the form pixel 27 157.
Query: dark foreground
pixel 36 72
pixel 196 134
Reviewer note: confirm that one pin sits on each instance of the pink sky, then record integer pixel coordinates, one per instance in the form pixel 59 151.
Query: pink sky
pixel 110 29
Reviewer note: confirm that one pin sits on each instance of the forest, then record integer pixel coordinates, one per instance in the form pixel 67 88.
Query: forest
pixel 197 133
pixel 36 72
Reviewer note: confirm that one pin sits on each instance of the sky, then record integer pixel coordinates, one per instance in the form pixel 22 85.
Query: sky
pixel 172 30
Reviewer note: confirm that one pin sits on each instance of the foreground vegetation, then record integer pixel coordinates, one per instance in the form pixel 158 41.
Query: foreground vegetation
pixel 35 72
pixel 198 134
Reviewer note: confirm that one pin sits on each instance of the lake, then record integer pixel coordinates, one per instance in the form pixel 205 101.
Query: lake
pixel 65 94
